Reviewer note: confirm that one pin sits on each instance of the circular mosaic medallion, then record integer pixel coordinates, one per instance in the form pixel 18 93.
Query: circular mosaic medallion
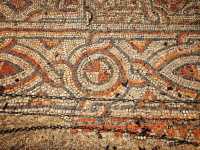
pixel 97 72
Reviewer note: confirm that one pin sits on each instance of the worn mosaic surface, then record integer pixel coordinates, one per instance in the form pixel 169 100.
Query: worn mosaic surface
pixel 100 74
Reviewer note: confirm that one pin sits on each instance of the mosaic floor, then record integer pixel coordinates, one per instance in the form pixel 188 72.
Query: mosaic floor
pixel 100 74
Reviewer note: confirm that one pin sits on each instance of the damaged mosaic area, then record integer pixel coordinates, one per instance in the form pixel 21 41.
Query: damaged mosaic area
pixel 120 74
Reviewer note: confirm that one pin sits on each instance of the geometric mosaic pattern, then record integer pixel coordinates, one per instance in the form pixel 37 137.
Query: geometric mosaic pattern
pixel 126 68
